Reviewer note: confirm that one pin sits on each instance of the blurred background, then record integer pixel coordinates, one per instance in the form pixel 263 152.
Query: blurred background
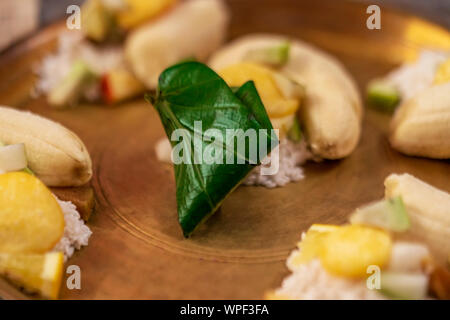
pixel 21 17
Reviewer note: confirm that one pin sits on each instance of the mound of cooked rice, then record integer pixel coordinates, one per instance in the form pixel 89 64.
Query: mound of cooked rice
pixel 76 233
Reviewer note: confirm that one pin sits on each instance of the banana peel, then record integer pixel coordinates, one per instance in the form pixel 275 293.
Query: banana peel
pixel 55 154
pixel 332 110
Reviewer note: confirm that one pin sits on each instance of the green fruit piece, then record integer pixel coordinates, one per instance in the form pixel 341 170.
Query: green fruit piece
pixel 387 214
pixel 405 286
pixel 295 132
pixel 383 95
pixel 275 56
pixel 71 87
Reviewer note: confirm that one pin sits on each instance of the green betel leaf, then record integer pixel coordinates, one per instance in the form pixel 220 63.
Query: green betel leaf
pixel 210 127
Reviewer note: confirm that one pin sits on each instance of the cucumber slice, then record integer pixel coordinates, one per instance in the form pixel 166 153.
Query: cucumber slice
pixel 13 158
pixel 295 132
pixel 72 86
pixel 276 56
pixel 405 286
pixel 383 95
pixel 387 214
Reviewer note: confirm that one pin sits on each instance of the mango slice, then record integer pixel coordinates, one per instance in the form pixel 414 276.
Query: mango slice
pixel 36 273
pixel 31 220
pixel 311 245
pixel 349 250
pixel 443 73
pixel 276 104
pixel 139 11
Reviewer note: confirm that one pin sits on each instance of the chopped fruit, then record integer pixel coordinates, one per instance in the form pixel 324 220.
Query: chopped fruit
pixel 13 158
pixel 283 124
pixel 97 20
pixel 119 85
pixel 276 104
pixel 289 88
pixel 318 227
pixel 349 250
pixel 443 73
pixel 383 95
pixel 36 273
pixel 275 56
pixel 72 86
pixel 408 257
pixel 31 220
pixel 295 131
pixel 386 214
pixel 311 245
pixel 139 11
pixel 410 286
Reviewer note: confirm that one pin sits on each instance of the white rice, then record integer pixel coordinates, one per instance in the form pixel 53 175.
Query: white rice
pixel 76 233
pixel 411 78
pixel 312 282
pixel 73 46
pixel 291 157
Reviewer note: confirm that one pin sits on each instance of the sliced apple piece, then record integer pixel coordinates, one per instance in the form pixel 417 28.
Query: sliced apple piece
pixel 13 158
pixel 387 214
pixel 31 220
pixel 409 286
pixel 36 273
pixel 276 56
pixel 72 86
pixel 120 84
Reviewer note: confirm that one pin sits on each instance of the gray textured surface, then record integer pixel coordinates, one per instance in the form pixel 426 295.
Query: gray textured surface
pixel 436 10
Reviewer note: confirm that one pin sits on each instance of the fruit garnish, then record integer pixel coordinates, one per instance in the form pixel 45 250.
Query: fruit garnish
pixel 31 220
pixel 382 95
pixel 138 11
pixel 349 250
pixel 120 84
pixel 70 89
pixel 276 104
pixel 275 56
pixel 13 158
pixel 410 286
pixel 443 73
pixel 387 214
pixel 311 245
pixel 36 273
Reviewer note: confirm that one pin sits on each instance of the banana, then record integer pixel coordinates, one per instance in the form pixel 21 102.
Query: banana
pixel 421 125
pixel 332 111
pixel 428 209
pixel 54 153
pixel 194 29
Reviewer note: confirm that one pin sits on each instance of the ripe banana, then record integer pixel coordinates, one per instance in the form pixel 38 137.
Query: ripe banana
pixel 421 125
pixel 428 209
pixel 55 154
pixel 332 111
pixel 193 29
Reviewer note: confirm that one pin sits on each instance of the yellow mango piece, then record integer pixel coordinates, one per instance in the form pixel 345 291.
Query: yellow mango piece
pixel 443 73
pixel 349 250
pixel 139 11
pixel 37 273
pixel 311 245
pixel 31 220
pixel 276 104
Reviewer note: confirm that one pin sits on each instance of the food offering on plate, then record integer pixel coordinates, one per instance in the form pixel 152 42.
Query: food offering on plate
pixel 207 122
pixel 38 231
pixel 396 248
pixel 419 92
pixel 295 85
pixel 124 45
